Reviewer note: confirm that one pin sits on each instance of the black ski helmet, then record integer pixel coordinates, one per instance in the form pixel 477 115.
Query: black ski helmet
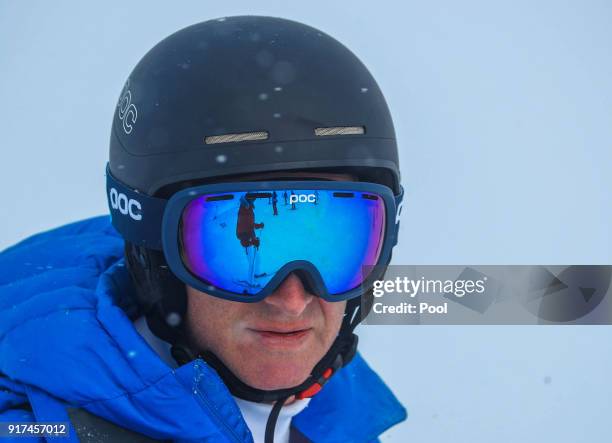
pixel 240 95
pixel 246 94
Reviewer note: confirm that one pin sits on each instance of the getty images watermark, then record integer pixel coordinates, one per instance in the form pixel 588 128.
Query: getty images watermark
pixel 575 294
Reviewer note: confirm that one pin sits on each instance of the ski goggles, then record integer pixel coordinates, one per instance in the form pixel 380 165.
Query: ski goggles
pixel 239 241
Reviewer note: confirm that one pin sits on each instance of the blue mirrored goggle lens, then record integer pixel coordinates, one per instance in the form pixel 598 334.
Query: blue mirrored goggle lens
pixel 237 241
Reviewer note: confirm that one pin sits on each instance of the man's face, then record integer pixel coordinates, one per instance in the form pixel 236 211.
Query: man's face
pixel 274 343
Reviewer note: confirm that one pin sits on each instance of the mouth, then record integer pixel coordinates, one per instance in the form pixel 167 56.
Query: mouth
pixel 280 337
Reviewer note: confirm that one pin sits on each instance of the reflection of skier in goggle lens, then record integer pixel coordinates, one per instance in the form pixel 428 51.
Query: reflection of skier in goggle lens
pixel 209 105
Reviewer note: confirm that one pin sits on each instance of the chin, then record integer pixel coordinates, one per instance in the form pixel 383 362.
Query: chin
pixel 274 375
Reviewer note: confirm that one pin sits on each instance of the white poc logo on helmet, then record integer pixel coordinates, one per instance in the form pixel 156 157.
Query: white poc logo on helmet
pixel 127 206
pixel 302 198
pixel 127 110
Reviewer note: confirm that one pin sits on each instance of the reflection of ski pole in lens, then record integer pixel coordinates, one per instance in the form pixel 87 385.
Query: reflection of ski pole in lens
pixel 251 259
pixel 274 200
pixel 285 195
pixel 292 200
pixel 245 231
pixel 316 193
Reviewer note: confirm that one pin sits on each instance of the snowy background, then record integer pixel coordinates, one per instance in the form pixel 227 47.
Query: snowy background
pixel 503 111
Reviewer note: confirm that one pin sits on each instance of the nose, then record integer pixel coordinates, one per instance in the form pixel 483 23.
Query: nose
pixel 290 297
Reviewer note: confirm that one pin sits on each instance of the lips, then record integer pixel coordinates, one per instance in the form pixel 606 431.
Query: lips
pixel 281 337
pixel 282 333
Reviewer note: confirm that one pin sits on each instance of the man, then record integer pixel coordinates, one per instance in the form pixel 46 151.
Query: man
pixel 157 327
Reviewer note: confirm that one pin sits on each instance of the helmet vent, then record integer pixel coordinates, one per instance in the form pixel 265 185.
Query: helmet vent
pixel 239 137
pixel 340 130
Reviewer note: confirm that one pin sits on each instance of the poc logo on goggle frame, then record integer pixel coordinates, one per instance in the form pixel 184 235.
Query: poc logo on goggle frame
pixel 302 198
pixel 126 206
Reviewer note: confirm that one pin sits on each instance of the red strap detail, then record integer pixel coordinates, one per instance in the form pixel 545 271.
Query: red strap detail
pixel 316 387
pixel 311 391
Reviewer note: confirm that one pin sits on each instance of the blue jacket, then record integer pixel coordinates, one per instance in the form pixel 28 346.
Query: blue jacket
pixel 66 341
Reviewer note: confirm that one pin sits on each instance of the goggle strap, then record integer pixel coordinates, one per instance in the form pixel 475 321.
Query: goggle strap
pixel 136 216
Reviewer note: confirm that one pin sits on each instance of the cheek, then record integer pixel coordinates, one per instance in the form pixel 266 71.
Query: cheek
pixel 331 319
pixel 212 322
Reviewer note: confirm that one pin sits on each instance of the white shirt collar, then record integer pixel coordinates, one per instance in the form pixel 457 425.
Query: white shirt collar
pixel 256 416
